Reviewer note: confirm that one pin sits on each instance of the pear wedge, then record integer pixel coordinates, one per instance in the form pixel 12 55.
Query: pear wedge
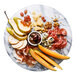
pixel 11 32
pixel 22 28
pixel 14 26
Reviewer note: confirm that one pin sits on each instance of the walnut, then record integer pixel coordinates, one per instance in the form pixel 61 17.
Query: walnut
pixel 56 24
pixel 48 25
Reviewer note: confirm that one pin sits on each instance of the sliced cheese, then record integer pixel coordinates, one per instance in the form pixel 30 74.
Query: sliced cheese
pixel 39 22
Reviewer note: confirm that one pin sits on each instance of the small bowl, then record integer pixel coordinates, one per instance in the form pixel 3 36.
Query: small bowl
pixel 29 38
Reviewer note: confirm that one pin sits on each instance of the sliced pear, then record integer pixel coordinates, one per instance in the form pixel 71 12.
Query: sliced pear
pixel 21 27
pixel 24 45
pixel 11 32
pixel 18 45
pixel 12 40
pixel 14 26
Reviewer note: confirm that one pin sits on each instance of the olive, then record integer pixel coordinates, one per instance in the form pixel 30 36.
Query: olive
pixel 33 34
pixel 39 38
pixel 31 40
pixel 35 37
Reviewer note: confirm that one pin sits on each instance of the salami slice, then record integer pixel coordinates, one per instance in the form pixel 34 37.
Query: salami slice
pixel 64 43
pixel 59 40
pixel 63 32
pixel 60 44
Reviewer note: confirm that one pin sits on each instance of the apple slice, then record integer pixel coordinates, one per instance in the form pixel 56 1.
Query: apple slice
pixel 18 45
pixel 14 26
pixel 12 40
pixel 24 45
pixel 21 27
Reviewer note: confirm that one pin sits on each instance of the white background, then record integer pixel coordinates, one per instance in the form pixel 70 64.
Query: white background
pixel 67 8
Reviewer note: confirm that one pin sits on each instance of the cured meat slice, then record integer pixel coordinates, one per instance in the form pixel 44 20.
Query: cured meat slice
pixel 63 32
pixel 61 43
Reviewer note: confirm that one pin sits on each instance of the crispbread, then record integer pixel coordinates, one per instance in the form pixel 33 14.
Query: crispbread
pixel 24 45
pixel 18 45
pixel 12 40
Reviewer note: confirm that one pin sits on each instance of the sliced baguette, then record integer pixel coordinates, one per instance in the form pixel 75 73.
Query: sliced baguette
pixel 18 45
pixel 24 45
pixel 12 40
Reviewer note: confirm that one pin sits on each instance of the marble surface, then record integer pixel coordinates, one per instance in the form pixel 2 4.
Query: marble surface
pixel 48 12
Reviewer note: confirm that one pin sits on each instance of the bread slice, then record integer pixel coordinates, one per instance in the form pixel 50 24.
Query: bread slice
pixel 24 45
pixel 18 45
pixel 12 40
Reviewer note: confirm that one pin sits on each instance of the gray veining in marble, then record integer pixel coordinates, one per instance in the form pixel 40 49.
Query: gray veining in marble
pixel 48 12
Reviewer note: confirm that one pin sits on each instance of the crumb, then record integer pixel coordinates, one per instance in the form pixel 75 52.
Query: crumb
pixel 52 17
pixel 60 22
pixel 33 13
pixel 55 15
pixel 55 20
